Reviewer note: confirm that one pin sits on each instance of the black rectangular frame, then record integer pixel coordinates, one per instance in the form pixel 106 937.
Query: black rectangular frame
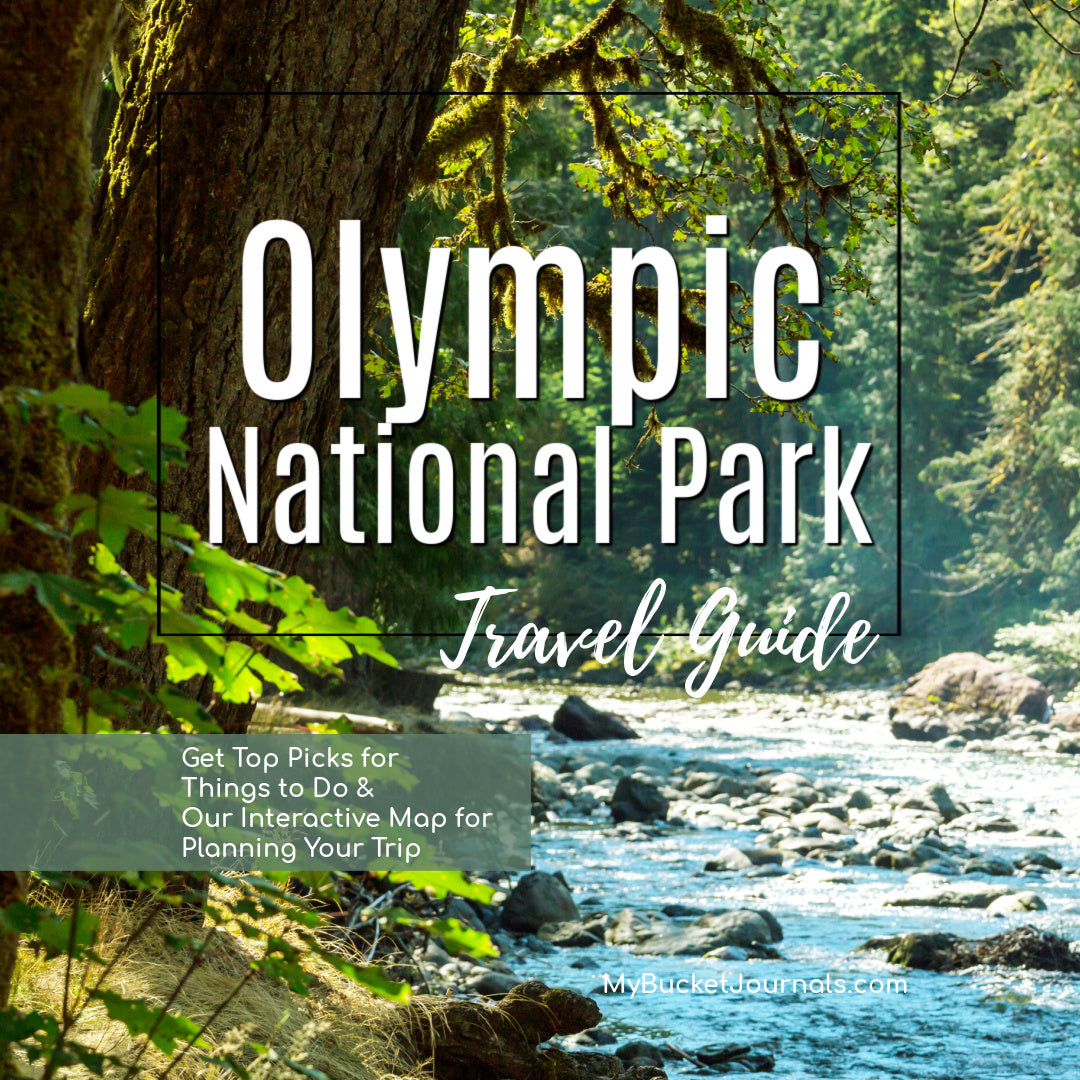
pixel 898 102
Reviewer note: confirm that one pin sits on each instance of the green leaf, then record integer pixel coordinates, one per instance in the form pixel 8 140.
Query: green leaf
pixel 289 972
pixel 230 1063
pixel 194 717
pixel 16 1026
pixel 113 514
pixel 374 978
pixel 53 931
pixel 165 1029
pixel 459 938
pixel 445 882
pixel 340 726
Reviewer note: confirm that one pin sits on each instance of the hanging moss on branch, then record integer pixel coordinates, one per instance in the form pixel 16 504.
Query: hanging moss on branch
pixel 812 156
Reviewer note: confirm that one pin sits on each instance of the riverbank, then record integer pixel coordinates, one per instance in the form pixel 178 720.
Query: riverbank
pixel 897 822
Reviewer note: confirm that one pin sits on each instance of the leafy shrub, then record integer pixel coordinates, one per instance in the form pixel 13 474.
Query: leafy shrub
pixel 122 613
pixel 1048 649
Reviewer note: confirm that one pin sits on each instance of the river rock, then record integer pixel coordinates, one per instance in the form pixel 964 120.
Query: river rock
pixel 1066 719
pixel 728 952
pixel 596 1065
pixel 568 935
pixel 935 702
pixel 743 928
pixel 597 772
pixel 1036 859
pixel 964 895
pixel 783 805
pixel 890 859
pixel 921 728
pixel 724 1058
pixel 538 898
pixel 494 984
pixel 1024 947
pixel 637 800
pixel 827 823
pixel 596 1036
pixel 933 799
pixel 547 789
pixel 629 928
pixel 704 815
pixel 802 845
pixel 877 817
pixel 787 786
pixel 639 1052
pixel 464 912
pixel 768 871
pixel 764 856
pixel 719 785
pixel 859 799
pixel 1047 831
pixel 578 720
pixel 977 822
pixel 988 864
pixel 728 860
pixel 1014 902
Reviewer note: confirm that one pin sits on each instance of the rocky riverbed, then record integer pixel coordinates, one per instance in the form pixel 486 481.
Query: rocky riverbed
pixel 730 863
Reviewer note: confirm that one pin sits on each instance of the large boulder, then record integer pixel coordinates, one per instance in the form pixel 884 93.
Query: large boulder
pixel 476 1040
pixel 965 694
pixel 578 720
pixel 637 800
pixel 538 898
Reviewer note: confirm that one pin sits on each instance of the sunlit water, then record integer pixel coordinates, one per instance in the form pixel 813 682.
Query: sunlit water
pixel 986 1023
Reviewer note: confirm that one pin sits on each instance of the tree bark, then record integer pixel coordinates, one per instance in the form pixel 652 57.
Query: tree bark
pixel 250 145
pixel 227 162
pixel 54 53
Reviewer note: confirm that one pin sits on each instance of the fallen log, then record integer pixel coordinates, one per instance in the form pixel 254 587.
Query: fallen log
pixel 361 725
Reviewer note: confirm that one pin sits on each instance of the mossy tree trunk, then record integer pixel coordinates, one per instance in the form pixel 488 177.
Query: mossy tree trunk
pixel 250 146
pixel 228 162
pixel 54 53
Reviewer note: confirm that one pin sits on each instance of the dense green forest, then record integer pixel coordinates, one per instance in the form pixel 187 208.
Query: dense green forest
pixel 988 388
pixel 918 152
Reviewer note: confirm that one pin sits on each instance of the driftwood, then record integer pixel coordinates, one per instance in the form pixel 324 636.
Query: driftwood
pixel 466 1040
pixel 361 725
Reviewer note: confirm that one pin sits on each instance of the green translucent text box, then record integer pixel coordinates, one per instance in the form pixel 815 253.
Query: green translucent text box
pixel 264 802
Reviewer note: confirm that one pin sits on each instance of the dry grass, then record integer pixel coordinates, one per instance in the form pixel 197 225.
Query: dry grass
pixel 341 1029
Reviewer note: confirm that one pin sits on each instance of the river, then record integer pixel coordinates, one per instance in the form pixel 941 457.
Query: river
pixel 986 1023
